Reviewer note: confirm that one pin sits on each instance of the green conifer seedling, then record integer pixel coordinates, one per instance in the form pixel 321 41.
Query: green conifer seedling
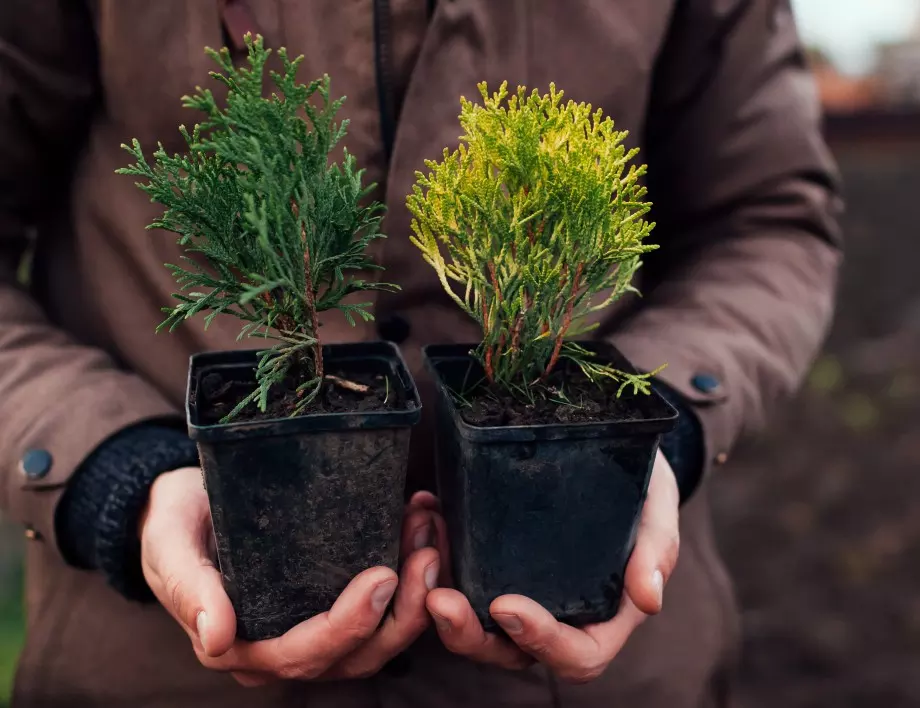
pixel 533 224
pixel 280 234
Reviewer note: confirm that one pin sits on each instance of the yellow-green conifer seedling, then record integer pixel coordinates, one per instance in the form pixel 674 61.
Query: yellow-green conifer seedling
pixel 534 223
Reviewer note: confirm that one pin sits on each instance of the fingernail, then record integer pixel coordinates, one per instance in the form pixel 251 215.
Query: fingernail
pixel 431 575
pixel 422 538
pixel 658 584
pixel 201 625
pixel 442 623
pixel 382 595
pixel 249 680
pixel 510 623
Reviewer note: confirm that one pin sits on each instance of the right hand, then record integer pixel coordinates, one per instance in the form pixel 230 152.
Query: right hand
pixel 348 641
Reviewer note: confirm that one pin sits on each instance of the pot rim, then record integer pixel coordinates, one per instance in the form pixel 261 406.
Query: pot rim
pixel 650 425
pixel 313 422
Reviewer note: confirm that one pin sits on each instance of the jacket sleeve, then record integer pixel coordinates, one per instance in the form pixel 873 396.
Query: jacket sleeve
pixel 60 399
pixel 97 517
pixel 738 298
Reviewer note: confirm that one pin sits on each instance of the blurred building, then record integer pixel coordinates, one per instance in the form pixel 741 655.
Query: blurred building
pixel 898 70
pixel 841 93
pixel 892 84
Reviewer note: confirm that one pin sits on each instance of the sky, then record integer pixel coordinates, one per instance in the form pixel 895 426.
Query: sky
pixel 849 29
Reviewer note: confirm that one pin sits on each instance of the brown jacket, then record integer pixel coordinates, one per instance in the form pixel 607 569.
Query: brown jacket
pixel 715 93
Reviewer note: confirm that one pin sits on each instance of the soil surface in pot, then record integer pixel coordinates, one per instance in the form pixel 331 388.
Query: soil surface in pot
pixel 571 398
pixel 219 394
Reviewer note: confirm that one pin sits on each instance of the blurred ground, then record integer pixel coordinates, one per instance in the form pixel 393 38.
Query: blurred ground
pixel 818 518
pixel 11 622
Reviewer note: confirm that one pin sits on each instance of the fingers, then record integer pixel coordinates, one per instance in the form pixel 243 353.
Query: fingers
pixel 657 543
pixel 177 565
pixel 248 679
pixel 423 527
pixel 346 641
pixel 574 655
pixel 425 500
pixel 190 589
pixel 445 580
pixel 401 627
pixel 308 650
pixel 319 652
pixel 418 531
pixel 462 633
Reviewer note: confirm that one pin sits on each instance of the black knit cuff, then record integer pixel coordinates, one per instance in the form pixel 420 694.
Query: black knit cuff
pixel 683 447
pixel 98 515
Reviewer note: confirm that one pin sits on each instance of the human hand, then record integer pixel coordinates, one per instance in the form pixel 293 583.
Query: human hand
pixel 348 641
pixel 576 655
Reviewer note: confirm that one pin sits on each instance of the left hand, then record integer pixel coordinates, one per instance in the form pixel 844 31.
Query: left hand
pixel 355 638
pixel 576 655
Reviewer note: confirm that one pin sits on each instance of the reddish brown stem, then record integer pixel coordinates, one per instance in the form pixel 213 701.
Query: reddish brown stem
pixel 518 325
pixel 577 282
pixel 532 234
pixel 310 296
pixel 563 278
pixel 566 323
pixel 494 278
pixel 557 348
pixel 490 356
pixel 490 372
pixel 516 333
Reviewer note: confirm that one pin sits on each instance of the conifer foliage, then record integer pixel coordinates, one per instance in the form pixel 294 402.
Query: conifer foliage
pixel 532 225
pixel 275 235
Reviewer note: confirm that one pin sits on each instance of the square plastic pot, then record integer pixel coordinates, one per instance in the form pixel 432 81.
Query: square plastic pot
pixel 546 511
pixel 302 505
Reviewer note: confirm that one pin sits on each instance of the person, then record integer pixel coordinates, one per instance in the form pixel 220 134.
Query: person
pixel 125 606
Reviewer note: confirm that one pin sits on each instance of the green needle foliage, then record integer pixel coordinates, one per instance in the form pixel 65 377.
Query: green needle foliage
pixel 274 234
pixel 534 223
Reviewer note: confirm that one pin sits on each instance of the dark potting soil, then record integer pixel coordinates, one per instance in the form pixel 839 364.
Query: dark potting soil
pixel 221 394
pixel 581 401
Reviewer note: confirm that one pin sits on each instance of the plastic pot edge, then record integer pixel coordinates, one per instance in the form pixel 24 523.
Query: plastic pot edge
pixel 312 423
pixel 439 353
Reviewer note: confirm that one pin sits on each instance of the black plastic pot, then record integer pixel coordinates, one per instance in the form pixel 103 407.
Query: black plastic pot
pixel 545 511
pixel 302 505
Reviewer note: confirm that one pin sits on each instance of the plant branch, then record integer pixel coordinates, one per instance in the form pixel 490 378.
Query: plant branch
pixel 538 211
pixel 256 161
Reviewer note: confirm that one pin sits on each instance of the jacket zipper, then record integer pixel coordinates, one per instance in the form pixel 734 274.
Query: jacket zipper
pixel 384 71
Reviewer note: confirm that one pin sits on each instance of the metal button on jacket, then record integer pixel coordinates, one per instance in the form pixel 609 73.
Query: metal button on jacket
pixel 705 383
pixel 35 464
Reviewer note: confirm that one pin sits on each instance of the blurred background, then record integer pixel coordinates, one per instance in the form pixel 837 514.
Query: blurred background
pixel 818 516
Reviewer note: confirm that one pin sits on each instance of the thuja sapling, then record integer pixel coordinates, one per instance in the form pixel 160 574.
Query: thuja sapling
pixel 284 233
pixel 534 224
pixel 306 488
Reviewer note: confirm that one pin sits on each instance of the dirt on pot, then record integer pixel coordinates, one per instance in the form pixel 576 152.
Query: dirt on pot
pixel 577 399
pixel 347 390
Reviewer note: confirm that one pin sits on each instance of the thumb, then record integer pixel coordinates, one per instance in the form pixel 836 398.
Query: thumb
pixel 209 612
pixel 657 543
pixel 180 572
